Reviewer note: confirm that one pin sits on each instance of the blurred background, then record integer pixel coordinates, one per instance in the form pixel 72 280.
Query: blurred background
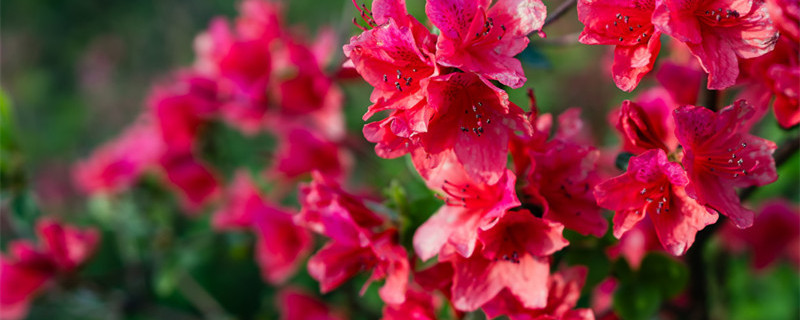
pixel 75 73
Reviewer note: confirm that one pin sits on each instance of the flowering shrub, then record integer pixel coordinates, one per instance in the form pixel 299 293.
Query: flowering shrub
pixel 241 192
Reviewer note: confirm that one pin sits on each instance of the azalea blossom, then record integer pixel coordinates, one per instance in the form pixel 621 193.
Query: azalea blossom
pixel 512 255
pixel 281 245
pixel 720 156
pixel 564 289
pixel 27 269
pixel 483 37
pixel 113 167
pixel 718 33
pixel 475 120
pixel 655 187
pixel 356 243
pixel 294 304
pixel 559 175
pixel 775 234
pixel 628 26
pixel 469 206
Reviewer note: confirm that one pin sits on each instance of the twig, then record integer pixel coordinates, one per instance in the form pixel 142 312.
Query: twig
pixel 200 298
pixel 560 11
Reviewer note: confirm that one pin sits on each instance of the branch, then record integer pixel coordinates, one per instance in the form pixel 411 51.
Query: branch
pixel 560 11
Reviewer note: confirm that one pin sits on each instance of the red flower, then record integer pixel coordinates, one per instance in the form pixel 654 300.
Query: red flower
pixel 28 269
pixel 636 243
pixel 479 37
pixel 181 107
pixel 295 304
pixel 192 179
pixel 561 175
pixel 774 74
pixel 718 33
pixel 113 167
pixel 628 26
pixel 281 245
pixel 647 123
pixel 513 256
pixel 419 305
pixel 775 233
pixel 301 151
pixel 786 16
pixel 656 187
pixel 475 120
pixel 720 156
pixel 469 207
pixel 564 289
pixel 355 244
pixel 787 94
pixel 396 57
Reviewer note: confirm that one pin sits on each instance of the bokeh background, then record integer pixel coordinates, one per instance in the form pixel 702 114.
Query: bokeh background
pixel 74 73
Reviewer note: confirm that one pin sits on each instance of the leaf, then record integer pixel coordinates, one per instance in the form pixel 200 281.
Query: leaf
pixel 664 273
pixel 634 301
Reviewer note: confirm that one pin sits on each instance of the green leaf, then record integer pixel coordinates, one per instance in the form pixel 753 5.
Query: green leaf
pixel 664 273
pixel 634 301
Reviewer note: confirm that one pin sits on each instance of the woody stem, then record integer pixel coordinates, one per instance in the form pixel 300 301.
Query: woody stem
pixel 559 12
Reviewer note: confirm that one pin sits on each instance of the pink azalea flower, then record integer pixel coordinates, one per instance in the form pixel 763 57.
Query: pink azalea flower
pixel 647 123
pixel 603 298
pixel 469 207
pixel 786 16
pixel 513 255
pixel 295 304
pixel 655 187
pixel 561 176
pixel 628 26
pixel 242 69
pixel 481 37
pixel 281 245
pixel 301 151
pixel 395 57
pixel 302 92
pixel 340 260
pixel 719 156
pixel 113 167
pixel 475 120
pixel 28 269
pixel 564 289
pixel 419 305
pixel 774 74
pixel 636 243
pixel 191 178
pixel 787 98
pixel 181 107
pixel 355 244
pixel 775 233
pixel 391 135
pixel 718 33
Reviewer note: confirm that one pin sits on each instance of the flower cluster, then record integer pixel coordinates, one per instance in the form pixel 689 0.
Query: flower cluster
pixel 513 185
pixel 718 34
